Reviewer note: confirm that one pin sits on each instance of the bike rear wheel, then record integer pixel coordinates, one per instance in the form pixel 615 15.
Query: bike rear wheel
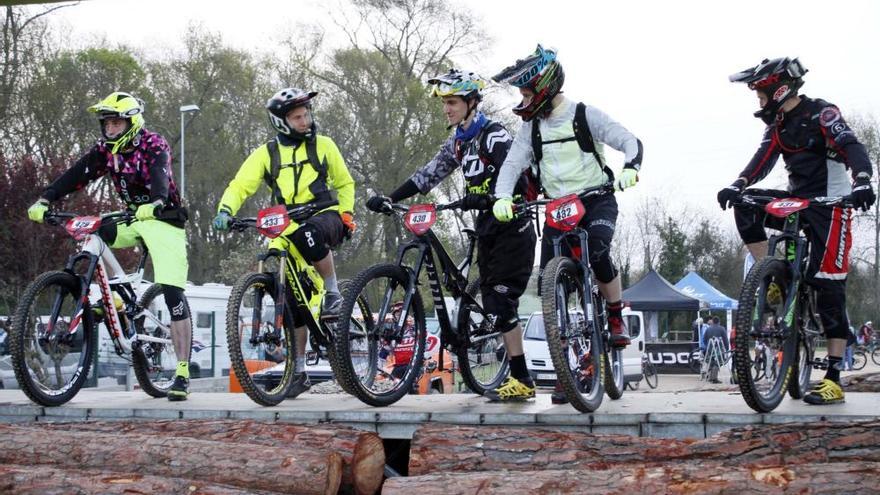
pixel 759 322
pixel 482 359
pixel 155 363
pixel 802 366
pixel 379 362
pixel 575 346
pixel 650 372
pixel 252 336
pixel 51 344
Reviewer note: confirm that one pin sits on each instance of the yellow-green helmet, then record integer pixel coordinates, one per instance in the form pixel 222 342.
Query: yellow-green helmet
pixel 123 106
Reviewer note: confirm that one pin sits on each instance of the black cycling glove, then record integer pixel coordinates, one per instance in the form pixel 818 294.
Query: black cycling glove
pixel 863 196
pixel 731 193
pixel 476 202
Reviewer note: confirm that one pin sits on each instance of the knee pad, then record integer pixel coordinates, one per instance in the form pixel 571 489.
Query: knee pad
pixel 749 224
pixel 600 260
pixel 176 302
pixel 831 304
pixel 310 242
pixel 500 307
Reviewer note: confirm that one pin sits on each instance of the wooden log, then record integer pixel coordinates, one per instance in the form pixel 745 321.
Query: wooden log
pixel 44 480
pixel 363 453
pixel 704 477
pixel 439 448
pixel 245 466
pixel 863 382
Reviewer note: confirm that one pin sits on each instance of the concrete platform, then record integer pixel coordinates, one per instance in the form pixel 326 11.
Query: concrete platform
pixel 658 414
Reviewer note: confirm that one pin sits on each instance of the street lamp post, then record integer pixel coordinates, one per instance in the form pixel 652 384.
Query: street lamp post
pixel 184 110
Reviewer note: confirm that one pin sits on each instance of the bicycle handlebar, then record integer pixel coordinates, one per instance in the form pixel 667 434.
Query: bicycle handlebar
pixel 58 217
pixel 297 213
pixel 762 200
pixel 599 190
pixel 403 208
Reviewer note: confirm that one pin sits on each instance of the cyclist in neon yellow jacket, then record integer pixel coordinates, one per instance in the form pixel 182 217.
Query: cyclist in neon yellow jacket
pixel 295 179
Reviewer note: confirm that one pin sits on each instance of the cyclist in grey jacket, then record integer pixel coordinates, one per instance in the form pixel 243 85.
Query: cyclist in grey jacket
pixel 565 167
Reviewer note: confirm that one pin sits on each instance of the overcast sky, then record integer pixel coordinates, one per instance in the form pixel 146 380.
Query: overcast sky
pixel 658 67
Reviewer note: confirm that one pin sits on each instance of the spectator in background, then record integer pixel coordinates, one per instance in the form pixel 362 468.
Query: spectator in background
pixel 866 332
pixel 716 331
pixel 850 347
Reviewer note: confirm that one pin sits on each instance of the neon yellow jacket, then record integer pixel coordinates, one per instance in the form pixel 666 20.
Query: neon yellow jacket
pixel 257 166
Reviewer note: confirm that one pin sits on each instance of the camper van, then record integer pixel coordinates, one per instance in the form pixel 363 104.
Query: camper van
pixel 538 355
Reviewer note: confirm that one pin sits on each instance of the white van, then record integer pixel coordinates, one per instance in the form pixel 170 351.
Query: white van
pixel 538 355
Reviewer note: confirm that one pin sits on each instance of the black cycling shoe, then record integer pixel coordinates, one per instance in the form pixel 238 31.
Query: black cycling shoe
pixel 301 383
pixel 179 389
pixel 331 305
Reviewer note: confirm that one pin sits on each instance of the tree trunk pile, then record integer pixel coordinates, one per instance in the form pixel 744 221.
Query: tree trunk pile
pixel 867 382
pixel 246 456
pixel 787 458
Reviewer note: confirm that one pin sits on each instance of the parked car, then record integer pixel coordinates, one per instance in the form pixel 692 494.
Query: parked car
pixel 538 355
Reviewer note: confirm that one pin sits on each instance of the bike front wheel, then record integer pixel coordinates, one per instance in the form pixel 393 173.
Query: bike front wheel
pixel 482 357
pixel 379 351
pixel 53 339
pixel 875 356
pixel 575 344
pixel 760 323
pixel 155 363
pixel 860 359
pixel 253 337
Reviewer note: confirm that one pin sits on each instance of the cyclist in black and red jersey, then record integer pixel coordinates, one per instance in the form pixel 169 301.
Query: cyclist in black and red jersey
pixel 817 147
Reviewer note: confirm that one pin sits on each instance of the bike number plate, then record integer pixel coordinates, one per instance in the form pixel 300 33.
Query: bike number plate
pixel 565 213
pixel 271 222
pixel 80 227
pixel 784 207
pixel 420 218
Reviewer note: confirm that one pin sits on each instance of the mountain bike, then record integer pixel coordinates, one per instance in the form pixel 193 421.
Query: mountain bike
pixel 363 329
pixel 649 374
pixel 265 305
pixel 574 310
pixel 777 310
pixel 55 328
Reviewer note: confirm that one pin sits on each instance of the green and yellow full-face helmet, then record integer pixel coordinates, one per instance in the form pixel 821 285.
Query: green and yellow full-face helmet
pixel 122 106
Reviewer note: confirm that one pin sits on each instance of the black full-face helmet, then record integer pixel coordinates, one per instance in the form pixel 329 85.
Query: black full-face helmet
pixel 779 79
pixel 283 102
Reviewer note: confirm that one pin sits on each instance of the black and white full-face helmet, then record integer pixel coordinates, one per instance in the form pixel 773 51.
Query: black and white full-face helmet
pixel 779 79
pixel 283 102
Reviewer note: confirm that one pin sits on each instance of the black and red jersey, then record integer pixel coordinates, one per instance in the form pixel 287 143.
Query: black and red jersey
pixel 817 147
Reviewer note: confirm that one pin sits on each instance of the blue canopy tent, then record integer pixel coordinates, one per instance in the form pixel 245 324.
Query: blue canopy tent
pixel 697 287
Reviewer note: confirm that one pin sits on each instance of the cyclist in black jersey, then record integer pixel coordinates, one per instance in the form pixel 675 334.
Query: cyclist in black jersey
pixel 818 147
pixel 505 251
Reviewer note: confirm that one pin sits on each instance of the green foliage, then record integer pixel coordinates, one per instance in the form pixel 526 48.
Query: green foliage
pixel 673 258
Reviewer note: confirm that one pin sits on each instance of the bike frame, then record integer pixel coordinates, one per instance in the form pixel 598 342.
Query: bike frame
pixel 99 259
pixel 293 272
pixel 455 279
pixel 579 235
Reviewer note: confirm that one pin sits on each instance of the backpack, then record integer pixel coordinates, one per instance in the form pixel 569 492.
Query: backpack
pixel 584 138
pixel 318 186
pixel 458 147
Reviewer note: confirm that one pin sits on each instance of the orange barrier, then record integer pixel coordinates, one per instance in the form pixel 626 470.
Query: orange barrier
pixel 252 365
